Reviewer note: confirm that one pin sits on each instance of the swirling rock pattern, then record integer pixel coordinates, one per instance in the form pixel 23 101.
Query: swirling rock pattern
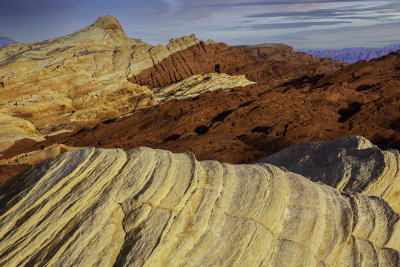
pixel 150 207
pixel 79 79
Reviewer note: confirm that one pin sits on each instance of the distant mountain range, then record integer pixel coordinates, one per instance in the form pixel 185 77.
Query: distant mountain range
pixel 355 54
pixel 4 41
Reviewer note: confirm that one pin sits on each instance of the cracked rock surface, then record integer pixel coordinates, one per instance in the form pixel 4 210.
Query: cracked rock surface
pixel 148 207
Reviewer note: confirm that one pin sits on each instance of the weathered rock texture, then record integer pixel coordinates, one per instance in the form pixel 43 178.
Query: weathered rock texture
pixel 218 57
pixel 34 157
pixel 349 164
pixel 79 79
pixel 198 84
pixel 13 129
pixel 256 121
pixel 150 207
pixel 282 52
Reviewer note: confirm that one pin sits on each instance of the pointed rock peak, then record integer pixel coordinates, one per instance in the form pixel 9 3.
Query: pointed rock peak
pixel 108 23
pixel 106 30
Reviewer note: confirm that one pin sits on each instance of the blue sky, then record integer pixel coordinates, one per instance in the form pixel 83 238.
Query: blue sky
pixel 304 24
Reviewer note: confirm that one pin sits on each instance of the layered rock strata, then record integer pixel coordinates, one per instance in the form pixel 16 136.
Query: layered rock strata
pixel 79 79
pixel 349 164
pixel 256 121
pixel 153 208
pixel 198 84
pixel 13 129
pixel 210 57
pixel 286 53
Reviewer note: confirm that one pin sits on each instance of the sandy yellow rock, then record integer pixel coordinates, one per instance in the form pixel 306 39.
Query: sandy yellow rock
pixel 13 129
pixel 150 207
pixel 39 155
pixel 67 82
pixel 197 84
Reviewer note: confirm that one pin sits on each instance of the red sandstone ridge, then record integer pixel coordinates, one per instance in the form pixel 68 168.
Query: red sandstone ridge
pixel 256 122
pixel 283 52
pixel 206 58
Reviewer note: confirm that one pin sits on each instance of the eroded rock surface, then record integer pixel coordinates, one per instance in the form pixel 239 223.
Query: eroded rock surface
pixel 81 78
pixel 152 208
pixel 285 53
pixel 13 129
pixel 198 84
pixel 258 121
pixel 349 164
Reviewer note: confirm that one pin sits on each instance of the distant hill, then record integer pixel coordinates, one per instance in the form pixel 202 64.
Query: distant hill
pixel 4 41
pixel 355 54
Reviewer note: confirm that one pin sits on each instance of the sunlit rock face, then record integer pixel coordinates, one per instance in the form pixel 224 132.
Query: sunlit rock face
pixel 198 84
pixel 349 164
pixel 13 128
pixel 79 79
pixel 150 207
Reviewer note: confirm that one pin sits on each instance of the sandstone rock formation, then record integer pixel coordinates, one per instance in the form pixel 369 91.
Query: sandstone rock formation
pixel 34 157
pixel 283 52
pixel 197 84
pixel 79 79
pixel 349 164
pixel 155 208
pixel 257 121
pixel 218 57
pixel 13 129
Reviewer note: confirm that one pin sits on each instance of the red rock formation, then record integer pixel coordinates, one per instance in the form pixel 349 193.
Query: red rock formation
pixel 282 52
pixel 249 123
pixel 202 59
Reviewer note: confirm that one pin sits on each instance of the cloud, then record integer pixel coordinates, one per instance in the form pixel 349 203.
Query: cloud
pixel 269 3
pixel 336 38
pixel 271 26
pixel 341 12
pixel 232 21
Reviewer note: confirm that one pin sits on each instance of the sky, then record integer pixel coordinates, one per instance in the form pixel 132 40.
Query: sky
pixel 303 24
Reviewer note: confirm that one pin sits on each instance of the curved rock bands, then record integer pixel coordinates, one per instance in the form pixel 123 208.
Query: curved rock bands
pixel 152 207
pixel 79 79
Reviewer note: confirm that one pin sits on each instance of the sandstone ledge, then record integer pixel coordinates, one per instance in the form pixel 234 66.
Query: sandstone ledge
pixel 151 207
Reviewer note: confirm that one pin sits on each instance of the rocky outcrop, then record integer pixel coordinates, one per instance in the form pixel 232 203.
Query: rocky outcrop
pixel 257 121
pixel 153 208
pixel 349 164
pixel 219 57
pixel 37 156
pixel 198 84
pixel 355 54
pixel 285 53
pixel 13 129
pixel 79 79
